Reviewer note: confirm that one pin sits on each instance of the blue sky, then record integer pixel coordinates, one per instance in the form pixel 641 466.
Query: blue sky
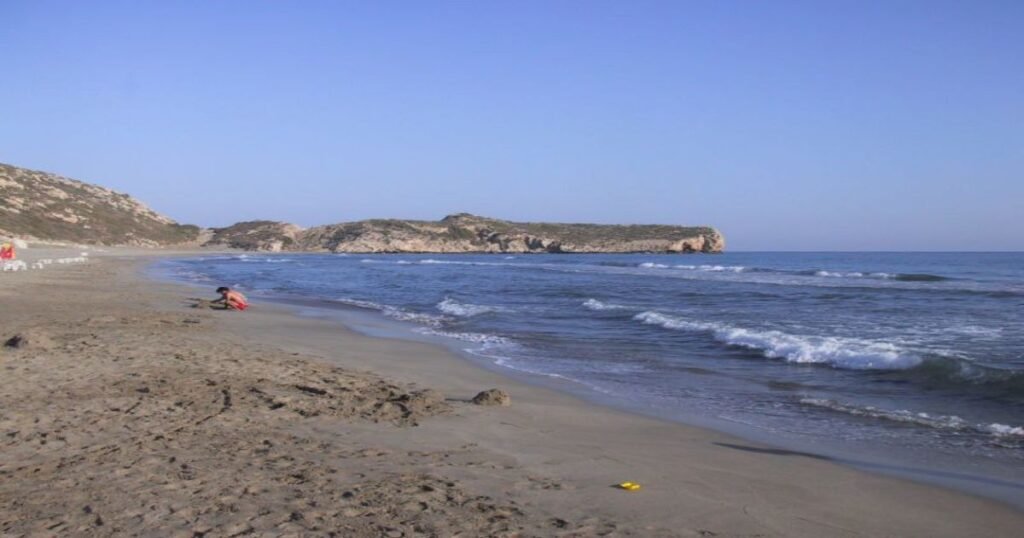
pixel 835 125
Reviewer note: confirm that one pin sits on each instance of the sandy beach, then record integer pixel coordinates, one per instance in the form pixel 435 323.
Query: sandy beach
pixel 124 411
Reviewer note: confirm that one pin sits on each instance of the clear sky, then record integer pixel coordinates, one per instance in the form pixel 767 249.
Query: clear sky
pixel 827 124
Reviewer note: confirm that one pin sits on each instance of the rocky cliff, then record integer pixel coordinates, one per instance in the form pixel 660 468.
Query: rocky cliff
pixel 39 205
pixel 469 233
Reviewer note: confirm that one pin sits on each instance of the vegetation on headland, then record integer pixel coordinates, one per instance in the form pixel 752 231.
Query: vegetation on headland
pixel 40 205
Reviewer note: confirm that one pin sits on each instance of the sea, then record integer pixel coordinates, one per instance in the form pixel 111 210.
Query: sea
pixel 910 364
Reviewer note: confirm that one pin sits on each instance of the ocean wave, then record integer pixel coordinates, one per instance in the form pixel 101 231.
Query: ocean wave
pixel 838 352
pixel 987 381
pixel 465 310
pixel 936 421
pixel 822 273
pixel 415 317
pixel 432 261
pixel 839 274
pixel 918 277
pixel 1002 430
pixel 713 268
pixel 475 338
pixel 594 304
pixel 370 305
pixel 831 275
pixel 705 268
pixel 673 322
pixel 932 367
pixel 268 260
pixel 395 312
pixel 520 366
pixel 899 277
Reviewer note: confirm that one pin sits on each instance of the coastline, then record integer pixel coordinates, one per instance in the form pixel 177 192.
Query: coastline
pixel 552 455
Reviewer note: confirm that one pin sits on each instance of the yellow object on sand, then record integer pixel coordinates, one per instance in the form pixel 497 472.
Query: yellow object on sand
pixel 629 486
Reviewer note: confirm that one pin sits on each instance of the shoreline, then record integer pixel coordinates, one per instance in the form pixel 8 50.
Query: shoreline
pixel 371 322
pixel 551 455
pixel 563 388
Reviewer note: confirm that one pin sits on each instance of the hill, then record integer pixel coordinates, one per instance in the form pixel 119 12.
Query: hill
pixel 40 205
pixel 465 233
pixel 44 206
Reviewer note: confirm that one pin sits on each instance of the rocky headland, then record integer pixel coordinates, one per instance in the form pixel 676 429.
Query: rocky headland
pixel 43 206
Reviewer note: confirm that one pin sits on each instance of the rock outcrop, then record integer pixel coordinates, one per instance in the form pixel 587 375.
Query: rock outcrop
pixel 39 205
pixel 493 397
pixel 260 235
pixel 464 233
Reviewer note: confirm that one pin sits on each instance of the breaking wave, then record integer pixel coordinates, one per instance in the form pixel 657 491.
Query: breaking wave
pixel 395 312
pixel 464 310
pixel 594 304
pixel 858 354
pixel 475 338
pixel 258 259
pixel 846 353
pixel 918 277
pixel 942 422
pixel 708 268
pixel 713 268
pixel 822 273
pixel 899 277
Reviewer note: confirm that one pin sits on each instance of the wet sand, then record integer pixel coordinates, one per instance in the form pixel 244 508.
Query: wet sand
pixel 127 412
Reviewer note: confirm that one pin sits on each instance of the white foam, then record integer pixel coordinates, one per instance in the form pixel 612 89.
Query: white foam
pixel 594 304
pixel 16 265
pixel 838 274
pixel 415 317
pixel 475 338
pixel 976 330
pixel 673 322
pixel 650 265
pixel 930 420
pixel 952 422
pixel 713 268
pixel 465 310
pixel 394 312
pixel 1002 430
pixel 847 353
pixel 361 304
pixel 852 274
pixel 250 259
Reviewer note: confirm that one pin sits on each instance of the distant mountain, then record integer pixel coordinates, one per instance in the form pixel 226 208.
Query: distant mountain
pixel 465 233
pixel 39 205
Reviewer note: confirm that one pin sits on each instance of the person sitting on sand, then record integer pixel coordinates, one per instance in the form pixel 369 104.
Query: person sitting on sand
pixel 232 299
pixel 7 252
